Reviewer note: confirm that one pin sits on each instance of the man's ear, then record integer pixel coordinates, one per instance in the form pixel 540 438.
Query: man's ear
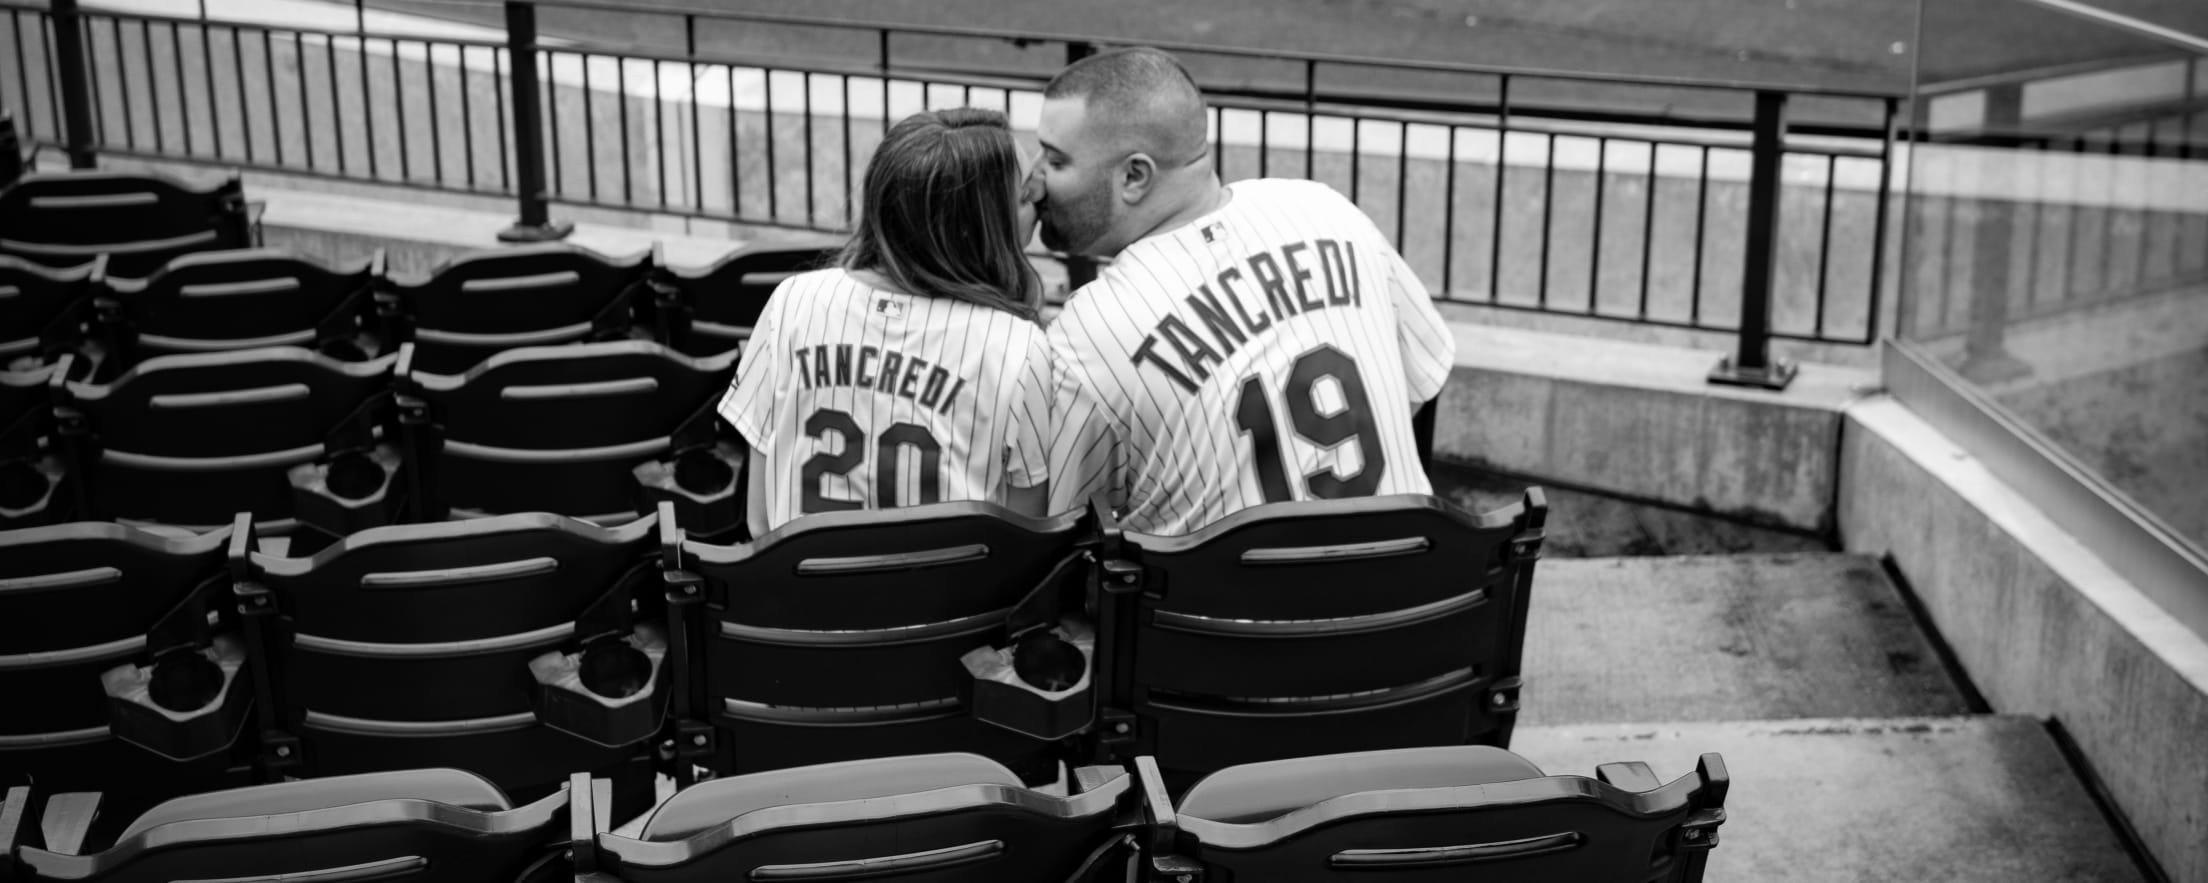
pixel 1137 174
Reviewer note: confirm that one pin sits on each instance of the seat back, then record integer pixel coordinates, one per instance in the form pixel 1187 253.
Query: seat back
pixel 536 295
pixel 77 600
pixel 560 429
pixel 894 819
pixel 314 830
pixel 190 439
pixel 232 300
pixel 1534 829
pixel 839 635
pixel 42 309
pixel 140 221
pixel 30 478
pixel 423 645
pixel 712 309
pixel 1314 628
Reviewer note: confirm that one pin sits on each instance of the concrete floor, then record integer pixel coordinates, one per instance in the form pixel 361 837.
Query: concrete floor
pixel 1584 525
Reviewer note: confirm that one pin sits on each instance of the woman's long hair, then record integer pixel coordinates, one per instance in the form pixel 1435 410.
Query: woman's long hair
pixel 940 217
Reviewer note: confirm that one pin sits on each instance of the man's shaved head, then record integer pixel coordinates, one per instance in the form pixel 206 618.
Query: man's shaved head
pixel 1144 98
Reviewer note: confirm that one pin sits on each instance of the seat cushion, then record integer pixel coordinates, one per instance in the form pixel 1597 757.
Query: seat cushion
pixel 449 787
pixel 709 805
pixel 1254 792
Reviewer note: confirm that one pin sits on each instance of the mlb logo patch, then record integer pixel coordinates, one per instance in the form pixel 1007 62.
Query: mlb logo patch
pixel 1214 231
pixel 889 308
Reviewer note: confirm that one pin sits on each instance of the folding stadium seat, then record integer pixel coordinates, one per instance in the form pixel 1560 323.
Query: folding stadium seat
pixel 840 635
pixel 31 477
pixel 430 825
pixel 939 818
pixel 1431 814
pixel 532 295
pixel 510 646
pixel 712 309
pixel 140 222
pixel 111 676
pixel 566 429
pixel 234 300
pixel 1294 629
pixel 43 310
pixel 187 440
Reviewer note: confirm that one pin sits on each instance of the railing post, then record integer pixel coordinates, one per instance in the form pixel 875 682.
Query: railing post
pixel 76 91
pixel 1751 364
pixel 1079 270
pixel 1986 357
pixel 535 224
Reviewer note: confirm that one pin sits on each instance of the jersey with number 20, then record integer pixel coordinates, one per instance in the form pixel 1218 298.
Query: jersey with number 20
pixel 861 398
pixel 1271 350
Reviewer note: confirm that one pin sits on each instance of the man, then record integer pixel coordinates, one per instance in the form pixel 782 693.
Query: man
pixel 1249 343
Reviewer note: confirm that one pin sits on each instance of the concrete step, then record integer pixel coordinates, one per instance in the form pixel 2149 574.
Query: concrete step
pixel 1983 798
pixel 1735 637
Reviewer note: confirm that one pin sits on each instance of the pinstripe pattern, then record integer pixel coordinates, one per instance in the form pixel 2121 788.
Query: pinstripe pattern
pixel 1154 363
pixel 975 379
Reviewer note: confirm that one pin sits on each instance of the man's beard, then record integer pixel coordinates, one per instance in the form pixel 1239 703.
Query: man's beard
pixel 1073 226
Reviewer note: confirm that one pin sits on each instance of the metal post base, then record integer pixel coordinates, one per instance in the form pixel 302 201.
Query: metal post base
pixel 546 232
pixel 1773 376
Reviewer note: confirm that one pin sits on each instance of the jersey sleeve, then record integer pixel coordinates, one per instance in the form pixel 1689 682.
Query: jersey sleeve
pixel 1027 446
pixel 1429 349
pixel 749 403
pixel 1087 456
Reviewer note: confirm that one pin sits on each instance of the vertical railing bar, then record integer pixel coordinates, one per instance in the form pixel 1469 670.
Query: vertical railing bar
pixel 1648 230
pixel 551 98
pixel 590 128
pixel 697 143
pixel 153 84
pixel 1264 143
pixel 1402 184
pixel 1495 230
pixel 1219 148
pixel 467 118
pixel 735 155
pixel 811 213
pixel 398 107
pixel 1356 156
pixel 275 112
pixel 1548 215
pixel 1824 248
pixel 774 209
pixel 1594 251
pixel 245 105
pixel 659 128
pixel 847 178
pixel 533 203
pixel 498 108
pixel 1878 223
pixel 306 107
pixel 337 110
pixel 621 103
pixel 183 95
pixel 1310 127
pixel 23 70
pixel 367 98
pixel 1448 211
pixel 122 82
pixel 69 33
pixel 207 67
pixel 53 86
pixel 436 125
pixel 1701 217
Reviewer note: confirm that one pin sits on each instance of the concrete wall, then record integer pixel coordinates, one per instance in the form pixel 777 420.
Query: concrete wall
pixel 2042 625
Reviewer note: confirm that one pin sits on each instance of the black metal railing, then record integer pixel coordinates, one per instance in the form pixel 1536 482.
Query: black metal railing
pixel 1530 190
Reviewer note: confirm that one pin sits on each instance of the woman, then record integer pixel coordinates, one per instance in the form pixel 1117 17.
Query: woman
pixel 914 371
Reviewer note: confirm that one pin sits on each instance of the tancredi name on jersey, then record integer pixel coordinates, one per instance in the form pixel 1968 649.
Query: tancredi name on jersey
pixel 1286 282
pixel 885 371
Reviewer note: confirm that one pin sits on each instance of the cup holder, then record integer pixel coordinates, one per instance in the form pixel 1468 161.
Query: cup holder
pixel 22 485
pixel 354 476
pixel 700 472
pixel 184 682
pixel 614 670
pixel 1048 662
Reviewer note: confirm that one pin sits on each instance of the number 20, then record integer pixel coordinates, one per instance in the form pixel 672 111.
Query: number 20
pixel 1254 415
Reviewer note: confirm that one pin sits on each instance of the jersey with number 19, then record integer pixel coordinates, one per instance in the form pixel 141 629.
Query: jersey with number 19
pixel 862 398
pixel 1271 350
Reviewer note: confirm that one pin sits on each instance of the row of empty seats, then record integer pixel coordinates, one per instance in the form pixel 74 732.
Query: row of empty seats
pixel 134 223
pixel 1454 813
pixel 457 316
pixel 524 647
pixel 597 431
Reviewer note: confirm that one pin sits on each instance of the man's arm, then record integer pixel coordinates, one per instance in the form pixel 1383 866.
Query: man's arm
pixel 1027 449
pixel 755 493
pixel 1429 349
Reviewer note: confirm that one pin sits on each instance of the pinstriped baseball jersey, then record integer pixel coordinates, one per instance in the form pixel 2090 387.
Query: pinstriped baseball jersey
pixel 1271 350
pixel 862 398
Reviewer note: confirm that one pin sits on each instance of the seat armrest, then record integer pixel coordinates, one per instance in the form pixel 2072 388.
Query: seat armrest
pixel 1630 775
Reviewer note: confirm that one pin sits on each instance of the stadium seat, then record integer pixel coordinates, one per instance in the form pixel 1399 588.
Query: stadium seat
pixel 233 300
pixel 488 301
pixel 563 429
pixel 511 646
pixel 940 818
pixel 712 309
pixel 111 676
pixel 140 222
pixel 429 825
pixel 43 310
pixel 838 636
pixel 31 477
pixel 1295 629
pixel 1449 813
pixel 188 440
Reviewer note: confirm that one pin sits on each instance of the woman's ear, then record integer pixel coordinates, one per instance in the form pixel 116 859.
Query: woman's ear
pixel 1137 174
